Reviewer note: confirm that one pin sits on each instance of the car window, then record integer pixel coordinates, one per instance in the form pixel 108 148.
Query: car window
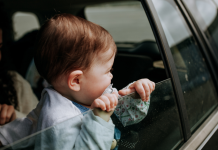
pixel 24 22
pixel 108 16
pixel 138 57
pixel 195 78
pixel 207 19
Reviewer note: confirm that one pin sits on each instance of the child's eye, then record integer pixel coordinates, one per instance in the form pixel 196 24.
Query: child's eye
pixel 111 69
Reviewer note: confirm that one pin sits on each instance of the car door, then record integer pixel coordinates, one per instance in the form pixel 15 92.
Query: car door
pixel 194 69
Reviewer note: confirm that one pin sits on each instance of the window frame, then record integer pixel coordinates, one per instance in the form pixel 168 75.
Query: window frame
pixel 168 64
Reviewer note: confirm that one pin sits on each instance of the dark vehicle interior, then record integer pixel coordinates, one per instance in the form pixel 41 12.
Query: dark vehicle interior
pixel 137 58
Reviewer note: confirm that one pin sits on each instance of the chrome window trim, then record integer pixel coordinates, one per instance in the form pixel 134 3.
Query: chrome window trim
pixel 203 133
pixel 208 138
pixel 169 65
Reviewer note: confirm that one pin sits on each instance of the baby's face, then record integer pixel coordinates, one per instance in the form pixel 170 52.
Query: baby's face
pixel 98 77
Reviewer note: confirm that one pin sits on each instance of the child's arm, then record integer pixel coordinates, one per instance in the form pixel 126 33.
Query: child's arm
pixel 93 131
pixel 78 133
pixel 131 111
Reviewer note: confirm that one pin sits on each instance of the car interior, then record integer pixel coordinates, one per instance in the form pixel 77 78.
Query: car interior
pixel 134 59
pixel 138 56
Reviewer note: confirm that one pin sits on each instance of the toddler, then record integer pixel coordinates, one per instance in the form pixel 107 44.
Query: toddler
pixel 76 57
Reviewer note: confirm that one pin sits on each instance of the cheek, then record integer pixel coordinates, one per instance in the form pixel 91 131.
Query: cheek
pixel 100 85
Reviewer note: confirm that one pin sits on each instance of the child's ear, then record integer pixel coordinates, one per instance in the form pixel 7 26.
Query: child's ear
pixel 74 80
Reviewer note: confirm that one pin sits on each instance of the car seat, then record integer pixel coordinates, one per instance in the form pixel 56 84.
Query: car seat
pixel 129 68
pixel 22 52
pixel 145 48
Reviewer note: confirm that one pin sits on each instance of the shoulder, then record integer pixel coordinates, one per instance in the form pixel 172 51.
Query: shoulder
pixel 55 108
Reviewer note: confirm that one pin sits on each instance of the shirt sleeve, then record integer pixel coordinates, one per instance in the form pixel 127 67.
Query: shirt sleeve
pixel 131 111
pixel 94 133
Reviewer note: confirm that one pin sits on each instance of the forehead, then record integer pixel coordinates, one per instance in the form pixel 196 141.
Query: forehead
pixel 103 60
pixel 104 57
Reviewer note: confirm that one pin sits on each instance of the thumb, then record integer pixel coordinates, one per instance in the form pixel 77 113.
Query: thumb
pixel 126 91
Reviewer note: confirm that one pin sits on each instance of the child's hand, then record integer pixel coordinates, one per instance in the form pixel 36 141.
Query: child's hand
pixel 106 102
pixel 104 105
pixel 143 87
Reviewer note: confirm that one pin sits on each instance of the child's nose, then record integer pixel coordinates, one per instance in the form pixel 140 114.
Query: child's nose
pixel 111 75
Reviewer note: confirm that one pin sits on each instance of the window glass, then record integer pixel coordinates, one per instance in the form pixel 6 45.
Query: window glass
pixel 207 19
pixel 139 57
pixel 159 130
pixel 24 22
pixel 197 85
pixel 109 16
pixel 207 11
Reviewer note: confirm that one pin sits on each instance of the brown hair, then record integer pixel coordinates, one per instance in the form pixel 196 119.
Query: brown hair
pixel 66 43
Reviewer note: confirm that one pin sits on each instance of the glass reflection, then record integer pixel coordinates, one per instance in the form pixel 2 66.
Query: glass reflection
pixel 207 10
pixel 126 21
pixel 205 14
pixel 197 85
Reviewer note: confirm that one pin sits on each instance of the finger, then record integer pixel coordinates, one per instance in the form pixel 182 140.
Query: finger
pixel 3 114
pixel 9 113
pixel 150 87
pixel 147 91
pixel 106 101
pixel 116 99
pixel 150 84
pixel 111 99
pixel 98 103
pixel 153 86
pixel 132 85
pixel 126 91
pixel 140 90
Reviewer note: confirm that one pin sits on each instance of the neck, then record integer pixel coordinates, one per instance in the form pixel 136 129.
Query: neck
pixel 65 94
